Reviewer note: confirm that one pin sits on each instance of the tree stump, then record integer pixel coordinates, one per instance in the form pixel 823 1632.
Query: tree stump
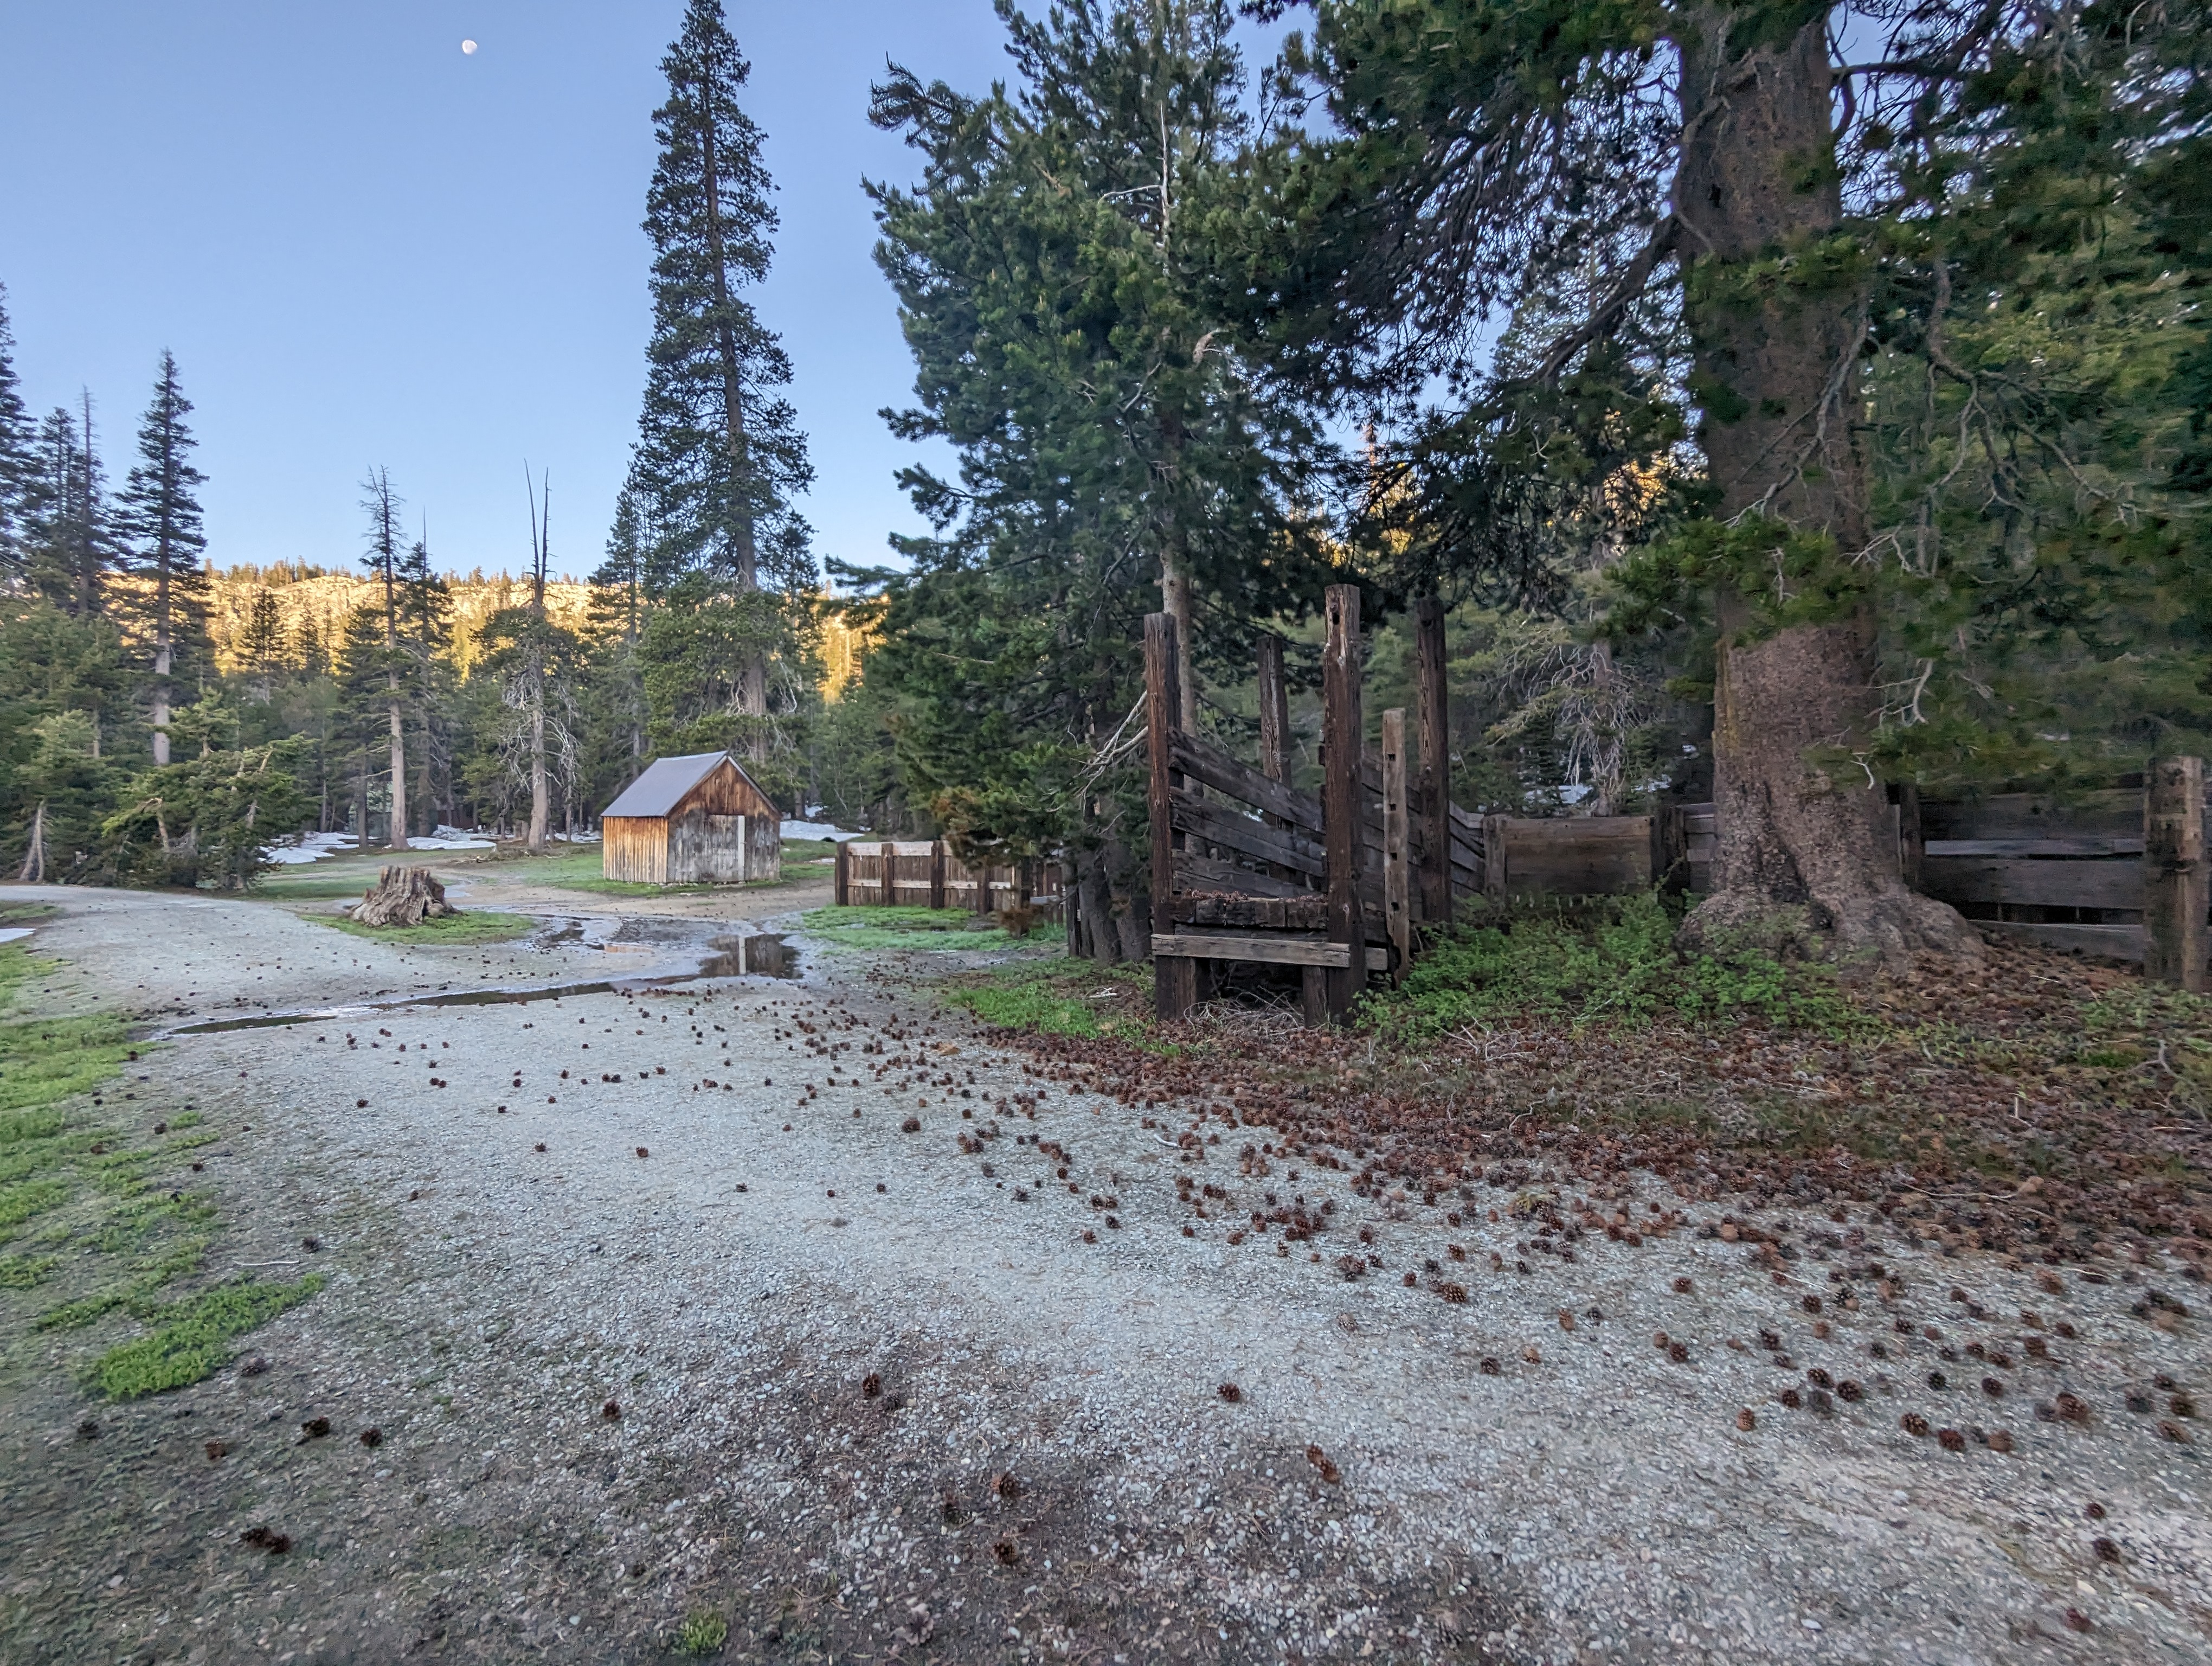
pixel 402 896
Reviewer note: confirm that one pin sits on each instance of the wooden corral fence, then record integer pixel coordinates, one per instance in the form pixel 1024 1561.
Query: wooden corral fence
pixel 925 873
pixel 2119 873
pixel 1246 868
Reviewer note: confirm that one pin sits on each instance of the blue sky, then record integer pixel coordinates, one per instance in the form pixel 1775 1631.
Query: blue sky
pixel 366 247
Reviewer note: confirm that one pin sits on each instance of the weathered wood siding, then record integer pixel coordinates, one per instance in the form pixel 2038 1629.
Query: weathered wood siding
pixel 1567 856
pixel 723 831
pixel 634 848
pixel 726 792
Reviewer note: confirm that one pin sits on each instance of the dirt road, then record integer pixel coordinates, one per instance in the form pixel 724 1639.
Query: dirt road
pixel 662 1315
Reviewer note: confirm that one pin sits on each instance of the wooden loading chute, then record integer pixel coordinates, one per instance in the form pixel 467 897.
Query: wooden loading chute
pixel 1244 867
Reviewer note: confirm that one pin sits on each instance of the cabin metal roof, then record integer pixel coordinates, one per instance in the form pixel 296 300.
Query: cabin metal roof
pixel 664 783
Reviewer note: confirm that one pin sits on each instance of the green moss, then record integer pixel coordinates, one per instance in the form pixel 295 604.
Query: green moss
pixel 451 928
pixel 193 1338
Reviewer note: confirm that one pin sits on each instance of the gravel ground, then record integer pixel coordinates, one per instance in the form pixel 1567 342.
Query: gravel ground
pixel 753 1350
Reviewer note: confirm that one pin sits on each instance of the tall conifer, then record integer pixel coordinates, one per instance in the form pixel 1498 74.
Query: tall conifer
pixel 70 539
pixel 381 504
pixel 159 517
pixel 18 459
pixel 719 454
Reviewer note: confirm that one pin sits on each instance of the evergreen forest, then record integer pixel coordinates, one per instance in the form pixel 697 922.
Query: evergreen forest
pixel 1787 403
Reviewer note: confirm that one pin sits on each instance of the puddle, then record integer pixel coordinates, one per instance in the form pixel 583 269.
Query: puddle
pixel 757 954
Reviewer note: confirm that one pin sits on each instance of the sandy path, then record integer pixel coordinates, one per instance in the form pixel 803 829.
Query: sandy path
pixel 735 1289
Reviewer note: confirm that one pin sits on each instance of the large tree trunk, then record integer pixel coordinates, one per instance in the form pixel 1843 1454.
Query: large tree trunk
pixel 397 831
pixel 1778 388
pixel 539 808
pixel 162 662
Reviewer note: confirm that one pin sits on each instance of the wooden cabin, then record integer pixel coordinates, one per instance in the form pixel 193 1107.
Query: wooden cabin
pixel 691 820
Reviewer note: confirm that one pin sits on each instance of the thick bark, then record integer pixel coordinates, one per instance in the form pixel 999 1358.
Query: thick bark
pixel 1777 380
pixel 397 841
pixel 538 806
pixel 162 662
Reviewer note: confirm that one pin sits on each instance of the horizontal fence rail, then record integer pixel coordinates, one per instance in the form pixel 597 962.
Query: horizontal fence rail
pixel 925 873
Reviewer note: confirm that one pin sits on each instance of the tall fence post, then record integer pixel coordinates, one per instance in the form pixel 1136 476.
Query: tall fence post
pixel 937 873
pixel 1341 740
pixel 2174 877
pixel 1433 711
pixel 1174 977
pixel 842 889
pixel 1494 876
pixel 1397 889
pixel 1275 710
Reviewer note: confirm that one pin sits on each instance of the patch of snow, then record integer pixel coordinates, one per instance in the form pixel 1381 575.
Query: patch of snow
pixel 798 830
pixel 452 838
pixel 12 933
pixel 307 847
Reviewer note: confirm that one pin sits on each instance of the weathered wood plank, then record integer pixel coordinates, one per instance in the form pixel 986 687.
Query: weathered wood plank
pixel 1433 722
pixel 2175 891
pixel 1275 715
pixel 1273 951
pixel 2113 883
pixel 1197 872
pixel 1296 913
pixel 2101 845
pixel 1397 834
pixel 1241 781
pixel 2115 814
pixel 2108 942
pixel 1566 855
pixel 1246 836
pixel 1341 758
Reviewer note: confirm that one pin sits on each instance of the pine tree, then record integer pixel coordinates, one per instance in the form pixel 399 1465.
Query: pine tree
pixel 535 662
pixel 71 541
pixel 1122 447
pixel 263 649
pixel 720 456
pixel 1739 205
pixel 18 458
pixel 614 620
pixel 159 517
pixel 382 504
pixel 425 638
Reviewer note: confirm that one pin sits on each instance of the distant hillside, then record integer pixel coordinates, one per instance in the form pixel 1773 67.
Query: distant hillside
pixel 309 593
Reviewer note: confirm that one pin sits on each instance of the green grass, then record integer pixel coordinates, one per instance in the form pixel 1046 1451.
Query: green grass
pixel 191 1339
pixel 896 928
pixel 1602 960
pixel 108 1228
pixel 451 928
pixel 1060 997
pixel 702 1633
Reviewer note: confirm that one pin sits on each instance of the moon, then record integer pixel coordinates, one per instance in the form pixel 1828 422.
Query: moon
pixel 468 49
